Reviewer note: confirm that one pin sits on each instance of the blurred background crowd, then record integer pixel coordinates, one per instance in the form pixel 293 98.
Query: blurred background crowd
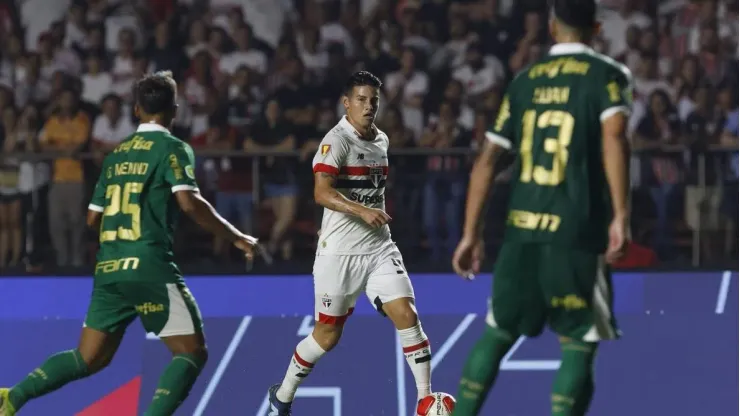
pixel 259 85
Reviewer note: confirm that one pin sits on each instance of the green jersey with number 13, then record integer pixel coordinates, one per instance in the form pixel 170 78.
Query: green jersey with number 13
pixel 551 117
pixel 135 193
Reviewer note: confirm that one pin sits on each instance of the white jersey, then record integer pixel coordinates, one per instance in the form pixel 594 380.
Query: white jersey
pixel 361 167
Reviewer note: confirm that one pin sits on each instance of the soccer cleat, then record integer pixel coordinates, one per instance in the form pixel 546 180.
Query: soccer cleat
pixel 277 408
pixel 6 408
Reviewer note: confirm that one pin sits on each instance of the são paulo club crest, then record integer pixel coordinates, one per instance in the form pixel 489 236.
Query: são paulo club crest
pixel 376 174
pixel 326 300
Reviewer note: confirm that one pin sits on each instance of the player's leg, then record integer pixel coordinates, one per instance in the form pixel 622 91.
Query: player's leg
pixel 170 311
pixel 107 318
pixel 337 282
pixel 389 290
pixel 577 288
pixel 513 309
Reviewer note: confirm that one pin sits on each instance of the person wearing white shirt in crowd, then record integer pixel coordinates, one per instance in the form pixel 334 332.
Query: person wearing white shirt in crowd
pixel 407 88
pixel 245 54
pixel 75 30
pixel 479 74
pixel 96 83
pixel 122 68
pixel 111 126
pixel 614 26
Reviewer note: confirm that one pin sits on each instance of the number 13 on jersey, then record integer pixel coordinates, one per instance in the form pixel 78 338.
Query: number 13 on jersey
pixel 556 146
pixel 118 202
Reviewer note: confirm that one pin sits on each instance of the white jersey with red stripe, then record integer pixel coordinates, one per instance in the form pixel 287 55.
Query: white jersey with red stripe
pixel 361 167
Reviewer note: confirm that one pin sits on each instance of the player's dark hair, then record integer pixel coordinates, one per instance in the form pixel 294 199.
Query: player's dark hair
pixel 156 93
pixel 578 15
pixel 360 79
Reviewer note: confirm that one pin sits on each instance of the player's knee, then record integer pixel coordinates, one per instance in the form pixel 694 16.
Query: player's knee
pixel 402 312
pixel 327 336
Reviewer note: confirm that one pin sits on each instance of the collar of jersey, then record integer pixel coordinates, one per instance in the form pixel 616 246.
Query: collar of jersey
pixel 569 49
pixel 149 127
pixel 350 128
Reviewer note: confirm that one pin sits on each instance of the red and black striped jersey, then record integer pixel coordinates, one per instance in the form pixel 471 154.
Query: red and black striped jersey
pixel 361 168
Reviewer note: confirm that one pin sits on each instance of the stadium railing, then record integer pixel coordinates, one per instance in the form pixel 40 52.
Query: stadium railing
pixel 409 188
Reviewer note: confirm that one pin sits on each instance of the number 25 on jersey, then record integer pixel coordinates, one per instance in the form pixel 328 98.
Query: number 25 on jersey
pixel 556 146
pixel 118 202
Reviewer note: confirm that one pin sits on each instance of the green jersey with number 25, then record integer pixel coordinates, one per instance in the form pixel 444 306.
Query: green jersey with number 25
pixel 551 117
pixel 135 194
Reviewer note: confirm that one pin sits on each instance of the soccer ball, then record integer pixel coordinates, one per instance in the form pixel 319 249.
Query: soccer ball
pixel 436 404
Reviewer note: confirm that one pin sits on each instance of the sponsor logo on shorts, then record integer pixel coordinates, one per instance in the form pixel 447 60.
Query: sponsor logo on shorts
pixel 569 302
pixel 147 308
pixel 326 301
pixel 110 266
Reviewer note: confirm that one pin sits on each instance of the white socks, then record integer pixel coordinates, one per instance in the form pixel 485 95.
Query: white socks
pixel 419 356
pixel 307 352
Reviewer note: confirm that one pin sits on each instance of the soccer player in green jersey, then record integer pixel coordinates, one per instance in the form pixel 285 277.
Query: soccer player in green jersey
pixel 564 118
pixel 144 184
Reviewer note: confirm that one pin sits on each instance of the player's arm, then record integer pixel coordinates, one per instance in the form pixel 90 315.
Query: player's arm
pixel 616 162
pixel 180 174
pixel 328 197
pixel 331 155
pixel 97 203
pixel 479 188
pixel 498 140
pixel 202 212
pixel 616 105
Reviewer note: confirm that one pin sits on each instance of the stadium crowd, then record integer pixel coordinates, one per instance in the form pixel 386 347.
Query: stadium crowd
pixel 260 83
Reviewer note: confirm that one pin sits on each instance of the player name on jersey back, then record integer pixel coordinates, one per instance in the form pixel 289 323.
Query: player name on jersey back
pixel 361 169
pixel 134 194
pixel 551 118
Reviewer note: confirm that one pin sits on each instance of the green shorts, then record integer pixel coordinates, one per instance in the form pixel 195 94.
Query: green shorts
pixel 568 289
pixel 165 309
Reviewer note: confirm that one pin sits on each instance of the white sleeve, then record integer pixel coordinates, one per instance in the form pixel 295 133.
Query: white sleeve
pixel 331 155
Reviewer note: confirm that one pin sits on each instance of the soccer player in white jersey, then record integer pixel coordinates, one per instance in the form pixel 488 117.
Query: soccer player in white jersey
pixel 355 252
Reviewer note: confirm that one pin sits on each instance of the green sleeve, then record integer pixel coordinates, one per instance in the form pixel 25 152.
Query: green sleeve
pixel 502 131
pixel 180 170
pixel 97 203
pixel 615 94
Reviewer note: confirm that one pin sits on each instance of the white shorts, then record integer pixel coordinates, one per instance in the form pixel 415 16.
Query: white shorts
pixel 339 280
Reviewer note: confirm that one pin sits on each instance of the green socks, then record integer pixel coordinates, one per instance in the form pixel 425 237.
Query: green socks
pixel 58 370
pixel 481 370
pixel 175 384
pixel 574 383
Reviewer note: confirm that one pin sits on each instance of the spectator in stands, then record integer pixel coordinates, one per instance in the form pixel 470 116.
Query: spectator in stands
pixel 405 180
pixel 658 133
pixel 729 141
pixel 245 54
pixel 10 197
pixel 67 131
pixel 374 58
pixel 96 82
pixel 406 89
pixel 163 52
pixel 274 133
pixel 479 74
pixel 11 59
pixel 444 187
pixel 31 88
pixel 122 66
pixel 702 131
pixel 110 127
pixel 615 24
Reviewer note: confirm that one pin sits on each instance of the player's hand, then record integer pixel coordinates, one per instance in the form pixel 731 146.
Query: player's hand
pixel 468 257
pixel 619 238
pixel 375 217
pixel 247 244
